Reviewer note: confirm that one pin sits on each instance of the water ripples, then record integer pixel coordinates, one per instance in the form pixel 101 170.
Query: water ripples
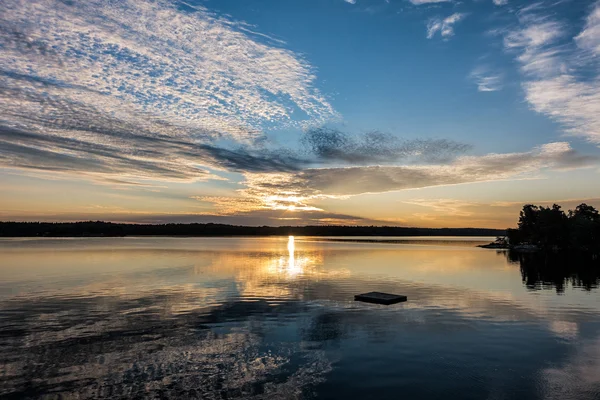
pixel 268 320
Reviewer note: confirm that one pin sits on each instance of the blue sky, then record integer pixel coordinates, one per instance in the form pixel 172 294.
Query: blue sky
pixel 382 72
pixel 411 112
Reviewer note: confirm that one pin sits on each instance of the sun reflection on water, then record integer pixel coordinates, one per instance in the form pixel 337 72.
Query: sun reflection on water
pixel 294 267
pixel 291 248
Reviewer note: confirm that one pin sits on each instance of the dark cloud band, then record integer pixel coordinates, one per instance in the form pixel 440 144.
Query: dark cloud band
pixel 332 145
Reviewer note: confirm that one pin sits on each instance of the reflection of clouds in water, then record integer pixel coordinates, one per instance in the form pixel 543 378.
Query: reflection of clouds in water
pixel 565 329
pixel 578 378
pixel 139 346
pixel 146 354
pixel 271 315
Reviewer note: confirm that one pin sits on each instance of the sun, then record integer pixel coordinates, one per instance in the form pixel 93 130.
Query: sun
pixel 291 208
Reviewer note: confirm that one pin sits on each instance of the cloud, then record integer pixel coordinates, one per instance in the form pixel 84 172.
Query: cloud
pixel 131 155
pixel 332 145
pixel 238 205
pixel 443 26
pixel 350 1
pixel 485 80
pixel 573 103
pixel 248 217
pixel 194 67
pixel 453 207
pixel 338 182
pixel 534 40
pixel 500 2
pixel 420 2
pixel 589 38
pixel 562 81
pixel 145 89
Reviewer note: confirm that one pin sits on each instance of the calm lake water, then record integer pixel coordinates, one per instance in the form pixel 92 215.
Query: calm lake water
pixel 275 318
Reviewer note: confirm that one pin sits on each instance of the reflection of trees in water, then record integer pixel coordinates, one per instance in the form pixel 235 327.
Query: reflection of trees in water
pixel 556 270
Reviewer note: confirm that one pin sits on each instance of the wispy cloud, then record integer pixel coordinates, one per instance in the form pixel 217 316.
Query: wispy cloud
pixel 317 183
pixel 500 2
pixel 191 66
pixel 143 88
pixel 534 41
pixel 250 218
pixel 554 68
pixel 132 157
pixel 444 26
pixel 238 205
pixel 486 80
pixel 456 208
pixel 589 38
pixel 419 2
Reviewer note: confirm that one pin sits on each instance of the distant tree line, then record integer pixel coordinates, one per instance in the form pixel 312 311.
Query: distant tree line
pixel 99 228
pixel 550 228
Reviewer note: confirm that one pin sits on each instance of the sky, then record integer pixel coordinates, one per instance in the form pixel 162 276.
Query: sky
pixel 430 113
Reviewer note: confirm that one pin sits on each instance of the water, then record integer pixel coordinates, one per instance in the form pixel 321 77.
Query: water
pixel 275 318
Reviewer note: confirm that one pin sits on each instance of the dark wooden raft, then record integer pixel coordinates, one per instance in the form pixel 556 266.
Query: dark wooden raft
pixel 380 298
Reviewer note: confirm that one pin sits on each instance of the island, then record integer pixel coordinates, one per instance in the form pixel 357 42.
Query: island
pixel 551 229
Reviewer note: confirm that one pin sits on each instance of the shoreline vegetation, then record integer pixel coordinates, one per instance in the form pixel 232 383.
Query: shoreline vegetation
pixel 110 229
pixel 550 229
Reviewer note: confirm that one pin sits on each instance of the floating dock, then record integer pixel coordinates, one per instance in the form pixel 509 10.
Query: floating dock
pixel 380 298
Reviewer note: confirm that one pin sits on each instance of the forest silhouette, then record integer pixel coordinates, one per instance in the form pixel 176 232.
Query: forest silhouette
pixel 551 229
pixel 99 228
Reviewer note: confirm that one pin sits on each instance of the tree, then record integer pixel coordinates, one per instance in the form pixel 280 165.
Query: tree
pixel 584 211
pixel 552 229
pixel 515 237
pixel 528 223
pixel 585 227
